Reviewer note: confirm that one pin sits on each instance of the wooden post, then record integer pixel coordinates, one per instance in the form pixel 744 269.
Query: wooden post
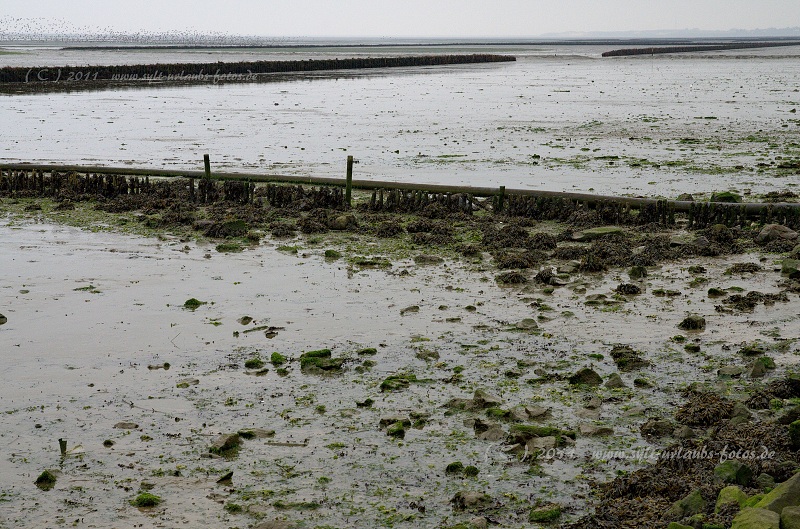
pixel 349 183
pixel 501 197
pixel 207 163
pixel 62 445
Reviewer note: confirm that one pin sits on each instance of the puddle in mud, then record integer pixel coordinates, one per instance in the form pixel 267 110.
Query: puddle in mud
pixel 93 318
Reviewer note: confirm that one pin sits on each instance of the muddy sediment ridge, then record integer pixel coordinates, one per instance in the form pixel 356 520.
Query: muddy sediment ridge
pixel 266 356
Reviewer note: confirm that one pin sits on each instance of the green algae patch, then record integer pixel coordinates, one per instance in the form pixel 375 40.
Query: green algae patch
pixel 146 500
pixel 398 382
pixel 193 304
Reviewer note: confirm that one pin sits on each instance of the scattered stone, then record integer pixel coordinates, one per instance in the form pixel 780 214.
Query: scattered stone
pixel 483 399
pixel 688 506
pixel 586 413
pixel 126 426
pixel 790 517
pixel 511 278
pixel 637 272
pixel 592 430
pixel 794 434
pixel 541 444
pixel 733 472
pixel 790 267
pixel 757 370
pixel 784 495
pixel 225 444
pixel 657 428
pixel 468 500
pixel 227 478
pixel 46 480
pixel 493 434
pixel 693 323
pixel 683 432
pixel 397 430
pixel 586 376
pixel 771 232
pixel 615 381
pixel 730 372
pixel 528 324
pixel 730 495
pixel 479 522
pixel 756 518
pixel 343 222
pixel 626 358
pixel 628 289
pixel 765 481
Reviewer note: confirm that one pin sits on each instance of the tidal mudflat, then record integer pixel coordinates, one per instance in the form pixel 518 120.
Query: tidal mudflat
pixel 386 371
pixel 559 118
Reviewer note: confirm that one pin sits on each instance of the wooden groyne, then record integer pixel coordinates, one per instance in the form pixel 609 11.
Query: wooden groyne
pixel 228 71
pixel 694 48
pixel 63 182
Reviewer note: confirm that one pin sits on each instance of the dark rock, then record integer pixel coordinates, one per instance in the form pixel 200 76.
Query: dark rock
pixel 3 320
pixel 733 472
pixel 730 371
pixel 225 443
pixel 615 381
pixel 469 500
pixel 770 232
pixel 730 495
pixel 657 428
pixel 592 430
pixel 483 399
pixel 637 272
pixel 786 494
pixel 688 506
pixel 756 518
pixel 790 517
pixel 626 358
pixel 764 481
pixel 693 323
pixel 587 377
pixel 343 222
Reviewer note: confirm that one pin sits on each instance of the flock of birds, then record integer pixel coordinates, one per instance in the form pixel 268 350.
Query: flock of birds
pixel 15 29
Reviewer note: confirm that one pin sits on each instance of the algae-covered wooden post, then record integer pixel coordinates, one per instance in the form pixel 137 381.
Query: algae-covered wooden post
pixel 62 445
pixel 349 183
pixel 501 198
pixel 207 162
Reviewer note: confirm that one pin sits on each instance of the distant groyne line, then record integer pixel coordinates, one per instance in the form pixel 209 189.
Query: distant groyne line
pixel 227 71
pixel 694 48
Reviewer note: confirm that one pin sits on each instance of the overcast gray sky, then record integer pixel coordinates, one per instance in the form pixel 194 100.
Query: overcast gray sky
pixel 412 18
